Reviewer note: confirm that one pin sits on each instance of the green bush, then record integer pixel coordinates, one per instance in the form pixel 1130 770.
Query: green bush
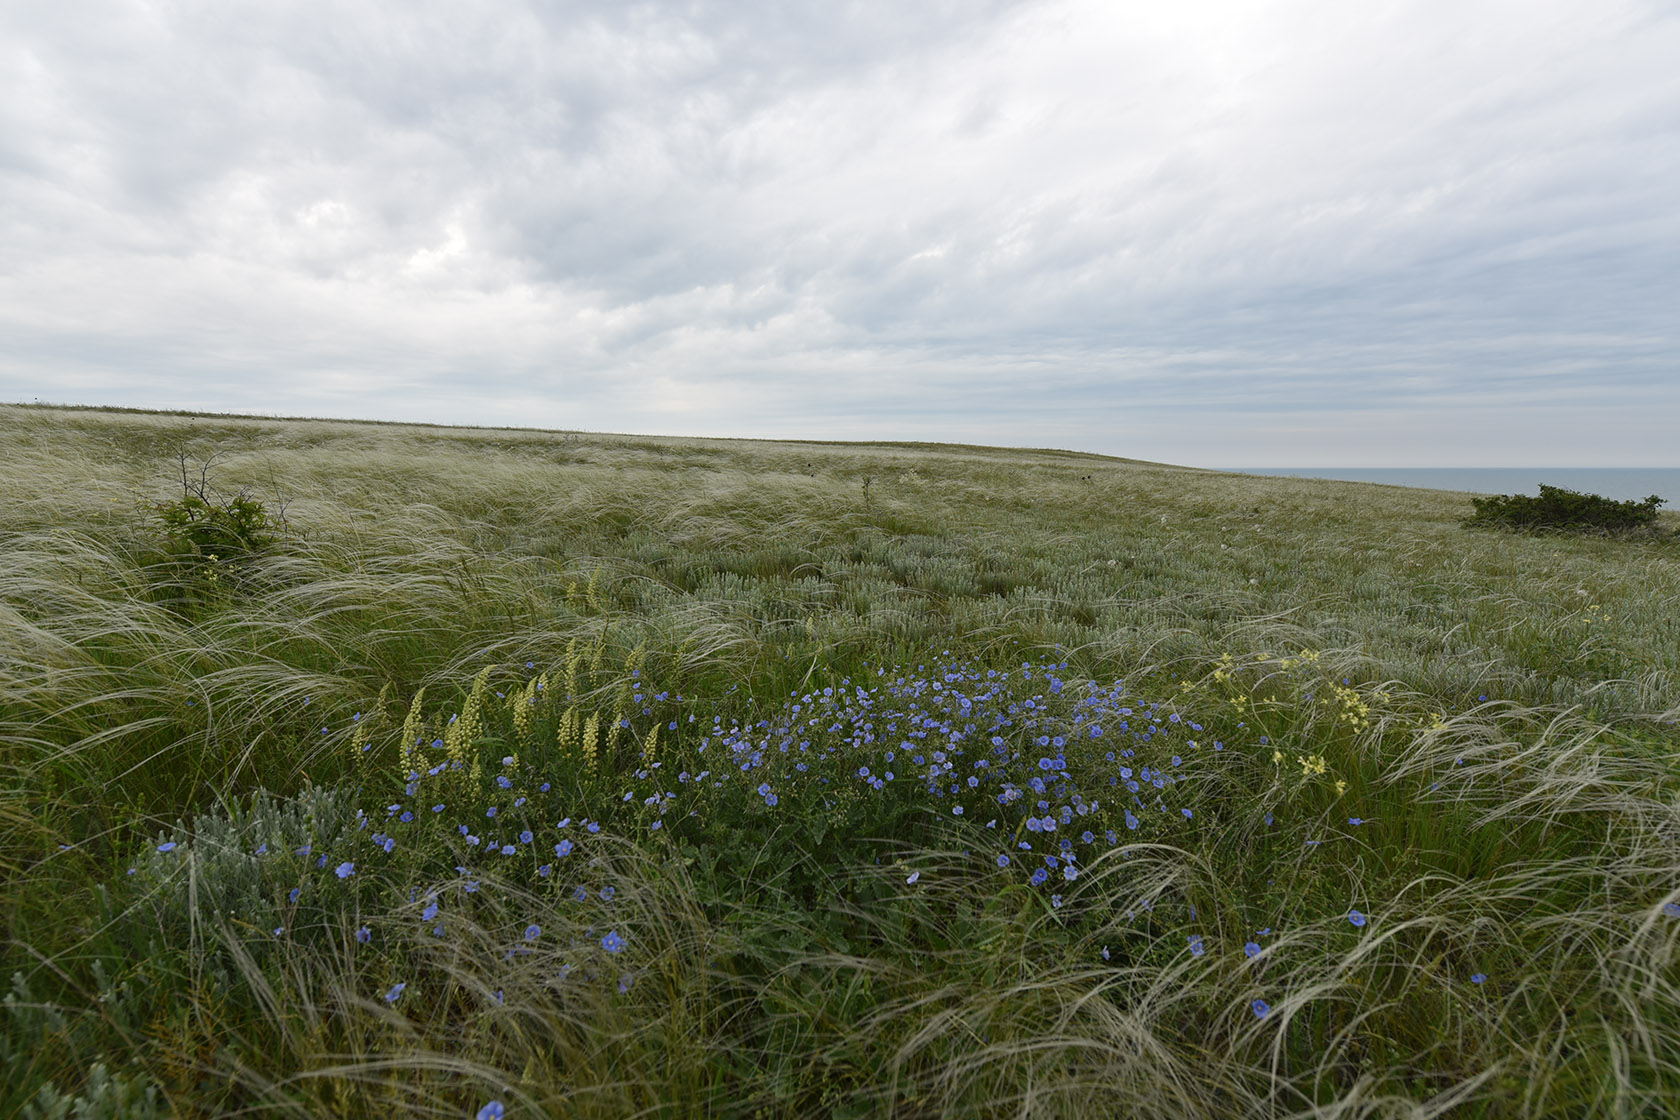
pixel 1560 510
pixel 208 538
pixel 204 525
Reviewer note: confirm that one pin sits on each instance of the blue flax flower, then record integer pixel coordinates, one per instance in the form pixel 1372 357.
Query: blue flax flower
pixel 1261 1008
pixel 1356 917
pixel 532 932
pixel 491 1111
pixel 345 869
pixel 391 996
pixel 612 942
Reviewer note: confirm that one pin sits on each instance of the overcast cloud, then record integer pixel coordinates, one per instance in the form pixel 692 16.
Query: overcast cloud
pixel 1211 232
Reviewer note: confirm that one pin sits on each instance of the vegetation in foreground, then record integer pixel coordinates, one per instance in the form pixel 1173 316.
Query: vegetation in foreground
pixel 548 774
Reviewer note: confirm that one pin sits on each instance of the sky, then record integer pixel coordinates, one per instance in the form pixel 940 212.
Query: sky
pixel 1207 232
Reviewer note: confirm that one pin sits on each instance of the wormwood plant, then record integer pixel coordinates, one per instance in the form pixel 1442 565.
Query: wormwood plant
pixel 1566 511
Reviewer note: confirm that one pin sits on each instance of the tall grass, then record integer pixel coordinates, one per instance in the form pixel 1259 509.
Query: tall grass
pixel 1435 766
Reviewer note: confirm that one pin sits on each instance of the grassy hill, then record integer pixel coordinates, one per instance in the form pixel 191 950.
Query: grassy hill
pixel 607 775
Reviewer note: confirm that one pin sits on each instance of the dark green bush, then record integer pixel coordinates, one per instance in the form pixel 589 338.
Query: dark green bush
pixel 205 527
pixel 204 530
pixel 1561 510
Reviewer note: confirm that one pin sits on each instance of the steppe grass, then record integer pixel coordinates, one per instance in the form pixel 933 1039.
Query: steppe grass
pixel 584 775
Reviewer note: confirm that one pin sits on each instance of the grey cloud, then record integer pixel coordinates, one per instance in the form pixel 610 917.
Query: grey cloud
pixel 1044 209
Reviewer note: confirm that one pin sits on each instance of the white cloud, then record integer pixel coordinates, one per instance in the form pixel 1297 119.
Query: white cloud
pixel 999 221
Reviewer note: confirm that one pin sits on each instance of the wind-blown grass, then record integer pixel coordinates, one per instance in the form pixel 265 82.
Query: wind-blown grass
pixel 1364 814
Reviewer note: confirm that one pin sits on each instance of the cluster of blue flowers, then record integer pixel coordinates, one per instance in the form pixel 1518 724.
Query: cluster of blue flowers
pixel 1043 776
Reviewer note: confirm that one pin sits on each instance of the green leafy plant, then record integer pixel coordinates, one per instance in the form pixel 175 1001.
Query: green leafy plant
pixel 1567 511
pixel 203 525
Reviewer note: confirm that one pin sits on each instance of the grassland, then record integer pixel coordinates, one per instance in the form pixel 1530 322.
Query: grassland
pixel 1280 797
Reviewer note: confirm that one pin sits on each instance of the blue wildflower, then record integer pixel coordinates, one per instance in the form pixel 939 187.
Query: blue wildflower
pixel 167 847
pixel 364 935
pixel 1252 949
pixel 532 932
pixel 1261 1008
pixel 391 996
pixel 1478 978
pixel 612 942
pixel 1356 917
pixel 345 869
pixel 491 1111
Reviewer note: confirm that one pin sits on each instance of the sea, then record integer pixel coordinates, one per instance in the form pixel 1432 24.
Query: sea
pixel 1622 484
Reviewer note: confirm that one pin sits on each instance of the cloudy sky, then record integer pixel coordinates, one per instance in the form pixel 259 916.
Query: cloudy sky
pixel 1211 232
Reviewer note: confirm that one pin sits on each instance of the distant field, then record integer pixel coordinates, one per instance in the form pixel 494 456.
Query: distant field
pixel 1279 797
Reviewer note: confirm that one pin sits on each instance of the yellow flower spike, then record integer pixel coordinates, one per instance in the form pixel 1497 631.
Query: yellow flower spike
pixel 524 713
pixel 461 737
pixel 591 730
pixel 1341 787
pixel 567 735
pixel 410 754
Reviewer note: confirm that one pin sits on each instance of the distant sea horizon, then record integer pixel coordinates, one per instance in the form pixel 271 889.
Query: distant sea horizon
pixel 1622 484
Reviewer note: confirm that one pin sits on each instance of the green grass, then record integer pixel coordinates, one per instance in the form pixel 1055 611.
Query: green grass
pixel 1499 712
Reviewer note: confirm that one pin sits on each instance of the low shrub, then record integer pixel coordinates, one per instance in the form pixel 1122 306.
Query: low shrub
pixel 204 526
pixel 1567 511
